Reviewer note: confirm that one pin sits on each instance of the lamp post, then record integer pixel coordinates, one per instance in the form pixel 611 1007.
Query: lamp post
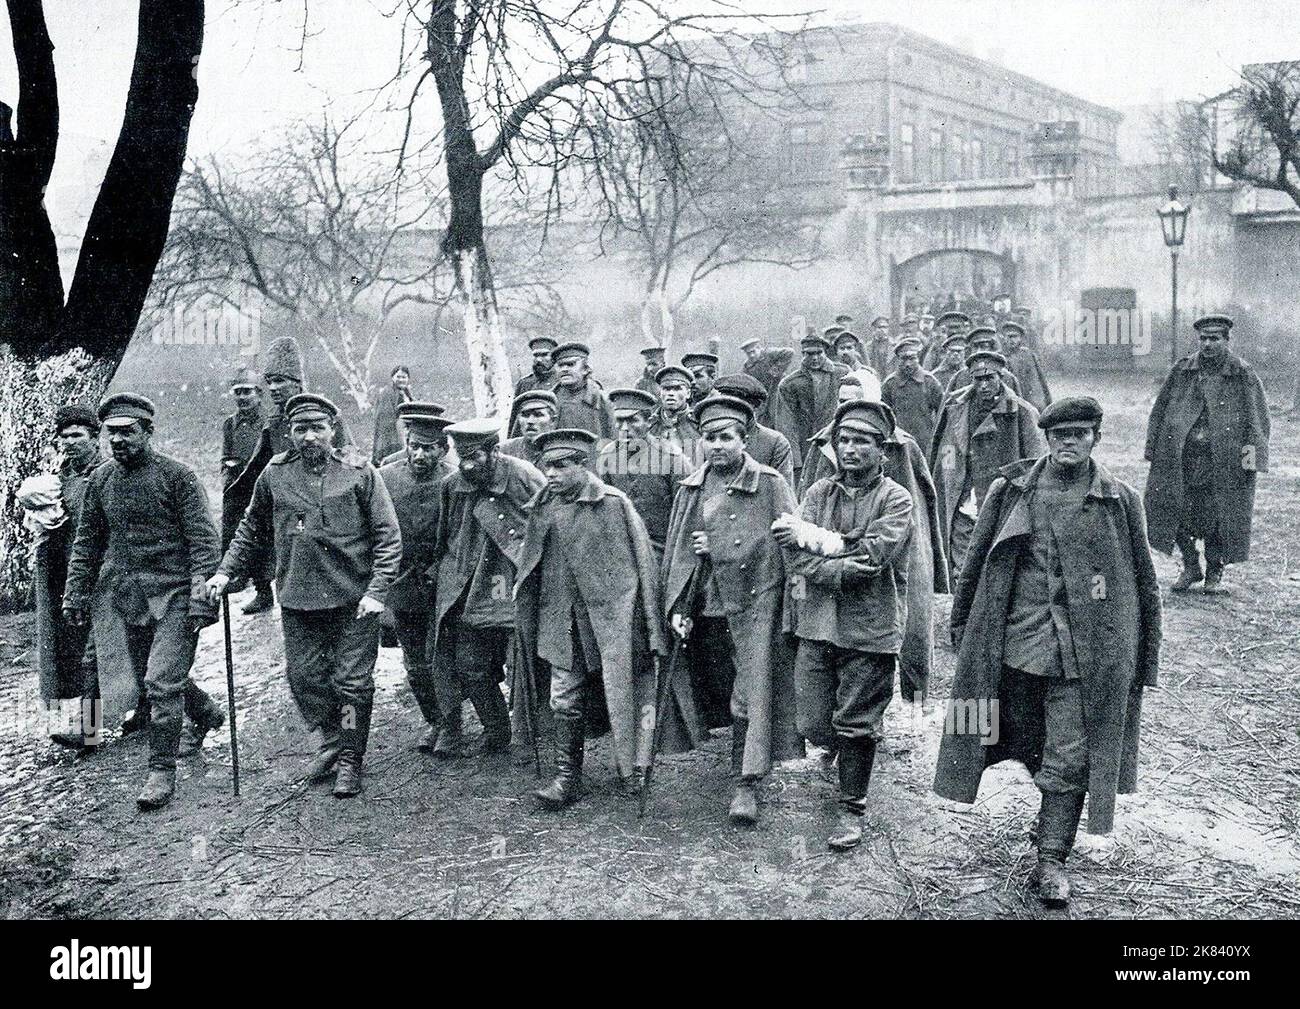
pixel 1173 225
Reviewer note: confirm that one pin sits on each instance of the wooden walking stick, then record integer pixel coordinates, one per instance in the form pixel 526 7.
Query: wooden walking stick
pixel 666 673
pixel 230 691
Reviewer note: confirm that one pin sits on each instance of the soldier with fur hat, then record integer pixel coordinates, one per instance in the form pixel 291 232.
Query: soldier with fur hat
pixel 326 516
pixel 145 519
pixel 847 552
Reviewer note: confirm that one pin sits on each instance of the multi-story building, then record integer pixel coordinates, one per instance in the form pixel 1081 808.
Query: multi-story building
pixel 942 115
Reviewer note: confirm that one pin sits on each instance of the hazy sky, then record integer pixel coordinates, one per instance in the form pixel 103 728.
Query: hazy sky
pixel 1116 53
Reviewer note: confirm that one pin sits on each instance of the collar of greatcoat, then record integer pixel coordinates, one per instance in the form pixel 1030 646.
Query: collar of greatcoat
pixel 746 480
pixel 1232 364
pixel 500 476
pixel 1024 476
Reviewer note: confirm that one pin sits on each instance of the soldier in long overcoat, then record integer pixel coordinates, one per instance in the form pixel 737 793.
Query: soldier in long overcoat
pixel 587 607
pixel 806 397
pixel 767 365
pixel 1207 438
pixel 766 445
pixel 981 428
pixel 580 400
pixel 724 585
pixel 1056 622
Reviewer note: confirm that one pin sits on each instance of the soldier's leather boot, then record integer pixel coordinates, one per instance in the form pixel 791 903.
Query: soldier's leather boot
pixel 490 706
pixel 348 781
pixel 420 678
pixel 196 729
pixel 856 759
pixel 1058 825
pixel 1192 571
pixel 569 742
pixel 451 741
pixel 158 789
pixel 744 800
pixel 1213 568
pixel 327 755
pixel 261 602
pixel 138 718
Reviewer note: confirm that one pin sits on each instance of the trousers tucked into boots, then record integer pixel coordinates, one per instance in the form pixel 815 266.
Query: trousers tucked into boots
pixel 1058 823
pixel 570 732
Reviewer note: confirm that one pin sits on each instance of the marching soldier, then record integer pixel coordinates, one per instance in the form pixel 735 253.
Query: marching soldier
pixel 654 360
pixel 673 421
pixel 65 652
pixel 768 365
pixel 847 554
pixel 587 608
pixel 542 376
pixel 848 348
pixel 1207 438
pixel 239 436
pixel 915 396
pixel 581 403
pixel 641 465
pixel 1056 622
pixel 482 514
pixel 327 515
pixel 766 446
pixel 981 428
pixel 536 412
pixel 703 367
pixel 145 518
pixel 951 364
pixel 950 323
pixel 806 398
pixel 724 584
pixel 881 345
pixel 282 374
pixel 982 338
pixel 412 485
pixel 1026 365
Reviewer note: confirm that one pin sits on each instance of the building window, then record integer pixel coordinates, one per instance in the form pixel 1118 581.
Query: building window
pixel 906 153
pixel 937 173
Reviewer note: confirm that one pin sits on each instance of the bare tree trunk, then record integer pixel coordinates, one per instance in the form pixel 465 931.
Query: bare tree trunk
pixel 72 356
pixel 489 368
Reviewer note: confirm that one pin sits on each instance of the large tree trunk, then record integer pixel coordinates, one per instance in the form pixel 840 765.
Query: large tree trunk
pixel 73 355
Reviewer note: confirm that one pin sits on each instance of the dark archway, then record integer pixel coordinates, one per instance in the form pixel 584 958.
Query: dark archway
pixel 980 272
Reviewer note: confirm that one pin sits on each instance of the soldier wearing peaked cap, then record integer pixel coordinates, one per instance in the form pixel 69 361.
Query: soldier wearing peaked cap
pixel 412 483
pixel 283 377
pixel 1056 622
pixel 768 365
pixel 981 428
pixel 654 360
pixel 1207 438
pixel 535 412
pixel 582 404
pixel 915 396
pixel 542 375
pixel 240 432
pixel 847 551
pixel 327 517
pixel 482 513
pixel 982 338
pixel 144 520
pixel 806 398
pixel 849 350
pixel 1024 363
pixel 766 445
pixel 642 465
pixel 703 367
pixel 949 362
pixel 673 420
pixel 724 581
pixel 587 605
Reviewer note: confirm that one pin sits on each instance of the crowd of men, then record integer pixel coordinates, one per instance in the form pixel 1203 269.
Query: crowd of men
pixel 757 551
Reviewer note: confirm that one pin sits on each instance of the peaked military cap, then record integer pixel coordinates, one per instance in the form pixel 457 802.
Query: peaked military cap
pixel 538 342
pixel 574 348
pixel 125 408
pixel 631 401
pixel 717 408
pixel 671 371
pixel 742 386
pixel 564 442
pixel 864 415
pixel 309 406
pixel 1212 323
pixel 535 397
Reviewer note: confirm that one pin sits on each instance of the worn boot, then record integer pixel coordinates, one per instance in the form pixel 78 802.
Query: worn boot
pixel 1058 825
pixel 1192 571
pixel 450 743
pixel 856 758
pixel 420 678
pixel 158 789
pixel 164 739
pixel 196 729
pixel 490 706
pixel 744 801
pixel 348 781
pixel 261 602
pixel 327 755
pixel 569 741
pixel 1213 567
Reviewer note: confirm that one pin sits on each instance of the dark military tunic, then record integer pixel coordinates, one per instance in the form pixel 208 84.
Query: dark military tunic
pixel 415 502
pixel 239 435
pixel 586 408
pixel 769 368
pixel 805 403
pixel 648 471
pixel 681 430
pixel 915 401
pixel 522 448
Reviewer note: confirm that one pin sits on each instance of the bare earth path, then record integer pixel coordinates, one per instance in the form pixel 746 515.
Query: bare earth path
pixel 1212 833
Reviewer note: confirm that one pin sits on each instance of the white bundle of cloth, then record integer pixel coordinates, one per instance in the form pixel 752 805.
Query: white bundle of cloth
pixel 825 542
pixel 41 498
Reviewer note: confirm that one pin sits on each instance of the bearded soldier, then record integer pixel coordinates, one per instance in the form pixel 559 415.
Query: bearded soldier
pixel 327 516
pixel 535 413
pixel 413 486
pixel 145 516
pixel 1206 439
pixel 641 465
pixel 1056 622
pixel 673 421
pixel 847 553
pixel 542 376
pixel 768 366
pixel 806 398
pixel 581 402
pixel 587 605
pixel 766 446
pixel 724 583
pixel 482 513
pixel 982 428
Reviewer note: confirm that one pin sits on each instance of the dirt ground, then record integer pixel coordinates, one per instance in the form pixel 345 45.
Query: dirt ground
pixel 1212 832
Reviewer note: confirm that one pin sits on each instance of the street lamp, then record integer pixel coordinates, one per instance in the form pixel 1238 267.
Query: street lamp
pixel 1173 225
